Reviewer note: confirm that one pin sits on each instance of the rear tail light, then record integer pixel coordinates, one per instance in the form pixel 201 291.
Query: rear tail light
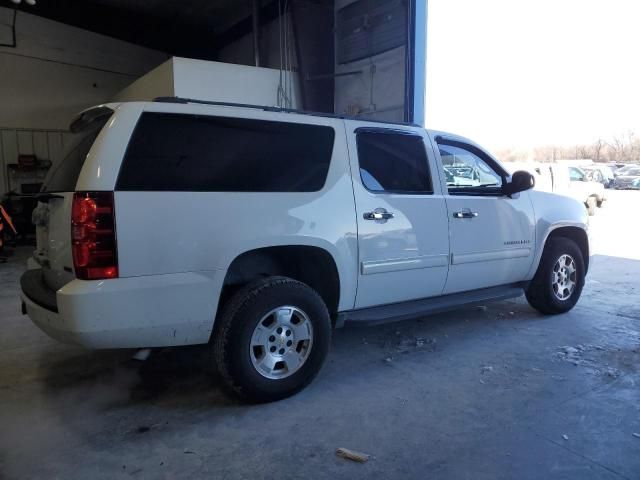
pixel 93 236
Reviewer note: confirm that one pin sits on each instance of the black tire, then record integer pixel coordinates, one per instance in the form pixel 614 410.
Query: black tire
pixel 540 293
pixel 591 206
pixel 235 326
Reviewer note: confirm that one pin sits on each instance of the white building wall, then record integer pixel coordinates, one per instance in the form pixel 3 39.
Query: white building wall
pixel 53 72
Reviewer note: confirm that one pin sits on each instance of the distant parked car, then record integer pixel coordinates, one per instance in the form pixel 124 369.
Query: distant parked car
pixel 627 177
pixel 623 168
pixel 601 174
pixel 580 187
pixel 617 165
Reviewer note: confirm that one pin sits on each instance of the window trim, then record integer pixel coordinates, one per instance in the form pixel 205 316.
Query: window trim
pixel 394 131
pixel 492 163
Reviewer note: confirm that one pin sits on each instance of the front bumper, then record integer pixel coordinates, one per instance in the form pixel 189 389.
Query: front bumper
pixel 135 312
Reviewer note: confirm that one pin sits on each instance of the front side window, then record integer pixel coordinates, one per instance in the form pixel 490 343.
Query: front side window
pixel 393 162
pixel 194 153
pixel 467 172
pixel 576 175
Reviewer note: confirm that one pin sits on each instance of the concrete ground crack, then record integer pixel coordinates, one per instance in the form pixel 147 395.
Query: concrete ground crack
pixel 584 457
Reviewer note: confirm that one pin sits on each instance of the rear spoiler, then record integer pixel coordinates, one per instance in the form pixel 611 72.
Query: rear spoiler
pixel 83 119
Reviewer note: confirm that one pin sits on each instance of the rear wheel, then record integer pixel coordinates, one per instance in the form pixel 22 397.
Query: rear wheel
pixel 558 283
pixel 271 339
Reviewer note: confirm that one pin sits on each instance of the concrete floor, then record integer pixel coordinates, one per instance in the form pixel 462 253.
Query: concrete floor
pixel 495 392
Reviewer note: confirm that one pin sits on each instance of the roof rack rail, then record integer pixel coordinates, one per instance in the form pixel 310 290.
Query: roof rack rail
pixel 266 108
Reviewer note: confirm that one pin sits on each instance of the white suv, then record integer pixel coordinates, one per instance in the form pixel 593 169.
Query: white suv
pixel 258 231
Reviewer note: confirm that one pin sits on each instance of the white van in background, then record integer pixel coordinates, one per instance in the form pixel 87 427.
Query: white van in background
pixel 568 180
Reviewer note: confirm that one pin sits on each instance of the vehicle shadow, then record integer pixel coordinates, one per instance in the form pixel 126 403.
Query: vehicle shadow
pixel 186 377
pixel 112 379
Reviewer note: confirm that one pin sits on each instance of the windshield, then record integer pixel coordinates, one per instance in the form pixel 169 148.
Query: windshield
pixel 64 176
pixel 632 172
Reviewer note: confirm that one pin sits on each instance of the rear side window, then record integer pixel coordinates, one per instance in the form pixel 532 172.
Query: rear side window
pixel 64 176
pixel 393 162
pixel 175 152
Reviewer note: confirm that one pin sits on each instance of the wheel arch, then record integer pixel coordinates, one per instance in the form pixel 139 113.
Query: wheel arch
pixel 572 232
pixel 312 265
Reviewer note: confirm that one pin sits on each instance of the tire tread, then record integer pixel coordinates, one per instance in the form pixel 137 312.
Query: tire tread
pixel 538 294
pixel 221 337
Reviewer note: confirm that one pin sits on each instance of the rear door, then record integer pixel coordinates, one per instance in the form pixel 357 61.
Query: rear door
pixel 403 239
pixel 53 213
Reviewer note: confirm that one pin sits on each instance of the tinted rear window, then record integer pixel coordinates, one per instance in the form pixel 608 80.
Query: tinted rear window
pixel 174 152
pixel 393 162
pixel 64 176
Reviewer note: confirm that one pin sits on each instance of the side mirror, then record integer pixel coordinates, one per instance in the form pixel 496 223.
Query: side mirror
pixel 520 181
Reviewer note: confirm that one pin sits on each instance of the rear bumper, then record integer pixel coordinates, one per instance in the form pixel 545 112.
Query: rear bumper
pixel 135 312
pixel 33 287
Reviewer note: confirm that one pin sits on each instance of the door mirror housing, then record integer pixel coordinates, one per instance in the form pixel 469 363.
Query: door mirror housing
pixel 520 182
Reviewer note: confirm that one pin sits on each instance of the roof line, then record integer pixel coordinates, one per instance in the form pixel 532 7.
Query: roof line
pixel 182 100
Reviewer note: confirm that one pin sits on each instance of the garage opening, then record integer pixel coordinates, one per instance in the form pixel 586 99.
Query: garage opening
pixel 352 57
pixel 357 58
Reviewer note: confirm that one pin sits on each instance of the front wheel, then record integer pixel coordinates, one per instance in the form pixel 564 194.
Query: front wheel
pixel 271 339
pixel 558 283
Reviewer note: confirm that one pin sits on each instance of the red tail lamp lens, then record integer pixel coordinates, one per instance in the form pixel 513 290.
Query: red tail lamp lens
pixel 84 210
pixel 93 236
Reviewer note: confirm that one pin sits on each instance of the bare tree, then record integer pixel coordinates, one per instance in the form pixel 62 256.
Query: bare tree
pixel 584 152
pixel 621 148
pixel 598 150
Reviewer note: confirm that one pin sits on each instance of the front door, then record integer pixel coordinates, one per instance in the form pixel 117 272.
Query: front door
pixel 492 235
pixel 403 240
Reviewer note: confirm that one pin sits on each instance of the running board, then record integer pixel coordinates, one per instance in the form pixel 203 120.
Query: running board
pixel 427 306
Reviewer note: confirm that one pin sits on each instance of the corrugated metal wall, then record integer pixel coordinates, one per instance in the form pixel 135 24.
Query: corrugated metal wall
pixel 370 27
pixel 371 59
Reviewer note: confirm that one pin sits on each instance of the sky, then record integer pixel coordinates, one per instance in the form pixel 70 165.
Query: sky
pixel 526 73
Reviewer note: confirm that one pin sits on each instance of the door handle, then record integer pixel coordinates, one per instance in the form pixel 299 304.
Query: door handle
pixel 378 214
pixel 465 214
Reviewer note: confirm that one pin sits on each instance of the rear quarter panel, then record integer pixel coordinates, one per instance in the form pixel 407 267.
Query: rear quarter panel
pixel 169 232
pixel 102 165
